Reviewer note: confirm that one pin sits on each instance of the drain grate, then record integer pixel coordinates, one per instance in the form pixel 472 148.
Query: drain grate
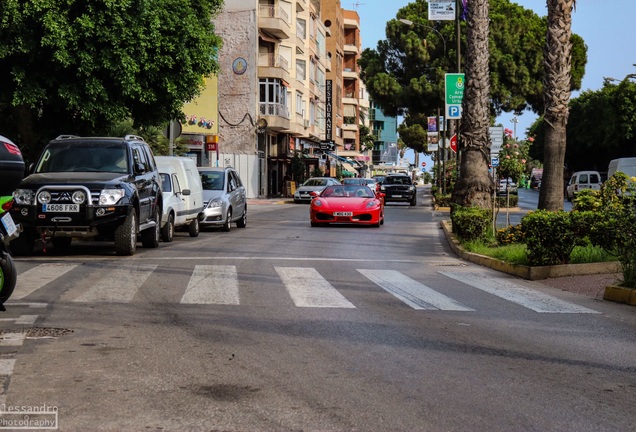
pixel 39 332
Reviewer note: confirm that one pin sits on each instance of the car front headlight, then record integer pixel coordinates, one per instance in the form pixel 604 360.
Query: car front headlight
pixel 382 188
pixel 44 197
pixel 372 203
pixel 110 196
pixel 317 203
pixel 215 203
pixel 411 188
pixel 24 196
pixel 79 197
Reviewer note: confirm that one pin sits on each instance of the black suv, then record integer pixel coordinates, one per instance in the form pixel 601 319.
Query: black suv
pixel 103 188
pixel 398 187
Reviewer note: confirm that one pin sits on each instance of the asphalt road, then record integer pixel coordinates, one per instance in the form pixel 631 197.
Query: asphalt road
pixel 528 199
pixel 284 327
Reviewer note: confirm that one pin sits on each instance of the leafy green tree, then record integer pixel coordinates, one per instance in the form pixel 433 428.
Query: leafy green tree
pixel 76 66
pixel 405 73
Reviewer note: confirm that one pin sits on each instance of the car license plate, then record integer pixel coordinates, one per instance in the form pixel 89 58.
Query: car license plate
pixel 397 196
pixel 60 208
pixel 8 224
pixel 343 213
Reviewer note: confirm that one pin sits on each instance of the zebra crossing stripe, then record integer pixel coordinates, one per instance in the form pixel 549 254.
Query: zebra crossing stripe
pixel 212 284
pixel 35 278
pixel 411 292
pixel 506 289
pixel 120 286
pixel 308 288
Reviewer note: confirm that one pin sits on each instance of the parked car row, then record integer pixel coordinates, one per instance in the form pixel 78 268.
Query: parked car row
pixel 115 189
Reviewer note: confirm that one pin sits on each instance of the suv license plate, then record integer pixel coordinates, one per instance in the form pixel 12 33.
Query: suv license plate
pixel 343 213
pixel 60 208
pixel 8 224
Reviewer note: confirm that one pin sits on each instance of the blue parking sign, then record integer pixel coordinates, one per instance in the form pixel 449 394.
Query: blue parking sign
pixel 494 161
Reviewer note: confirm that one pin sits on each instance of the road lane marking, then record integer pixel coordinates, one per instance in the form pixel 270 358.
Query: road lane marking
pixel 212 284
pixel 506 289
pixel 411 292
pixel 308 288
pixel 119 286
pixel 35 278
pixel 6 366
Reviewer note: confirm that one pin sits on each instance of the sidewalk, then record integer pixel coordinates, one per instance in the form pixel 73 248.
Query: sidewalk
pixel 281 200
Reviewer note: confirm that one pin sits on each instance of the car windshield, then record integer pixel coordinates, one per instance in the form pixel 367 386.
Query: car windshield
pixel 83 157
pixel 315 182
pixel 347 191
pixel 397 180
pixel 212 180
pixel 166 186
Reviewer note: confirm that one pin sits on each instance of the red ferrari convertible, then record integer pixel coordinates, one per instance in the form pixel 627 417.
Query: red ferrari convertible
pixel 350 204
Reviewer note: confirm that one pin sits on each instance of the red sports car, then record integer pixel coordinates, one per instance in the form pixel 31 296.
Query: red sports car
pixel 350 204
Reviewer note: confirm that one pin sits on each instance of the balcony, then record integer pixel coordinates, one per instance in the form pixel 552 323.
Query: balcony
pixel 276 114
pixel 272 65
pixel 350 49
pixel 274 20
pixel 349 73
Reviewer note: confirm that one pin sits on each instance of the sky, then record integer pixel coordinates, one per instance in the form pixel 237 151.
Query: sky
pixel 606 26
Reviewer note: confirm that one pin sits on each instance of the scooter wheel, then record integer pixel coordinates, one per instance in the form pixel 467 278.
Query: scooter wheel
pixel 8 276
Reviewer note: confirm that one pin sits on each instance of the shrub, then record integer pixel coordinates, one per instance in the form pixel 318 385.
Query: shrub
pixel 511 201
pixel 550 237
pixel 471 223
pixel 442 200
pixel 587 200
pixel 510 235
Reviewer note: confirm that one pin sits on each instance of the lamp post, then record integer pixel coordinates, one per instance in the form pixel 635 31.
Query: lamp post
pixel 514 121
pixel 412 24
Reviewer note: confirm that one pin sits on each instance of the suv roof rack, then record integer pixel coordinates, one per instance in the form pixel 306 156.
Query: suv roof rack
pixel 134 137
pixel 66 137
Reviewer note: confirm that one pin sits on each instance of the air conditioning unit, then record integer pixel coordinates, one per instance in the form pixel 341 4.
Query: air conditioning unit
pixel 306 123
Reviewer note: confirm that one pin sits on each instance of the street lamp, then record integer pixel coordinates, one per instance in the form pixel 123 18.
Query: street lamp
pixel 412 24
pixel 514 120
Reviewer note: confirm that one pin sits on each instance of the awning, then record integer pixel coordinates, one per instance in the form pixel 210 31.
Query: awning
pixel 349 110
pixel 267 38
pixel 349 167
pixel 349 153
pixel 347 134
pixel 346 173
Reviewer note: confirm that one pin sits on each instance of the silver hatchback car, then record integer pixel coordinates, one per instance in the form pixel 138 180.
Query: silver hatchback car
pixel 224 198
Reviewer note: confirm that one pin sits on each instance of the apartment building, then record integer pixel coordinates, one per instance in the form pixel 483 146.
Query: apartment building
pixel 288 78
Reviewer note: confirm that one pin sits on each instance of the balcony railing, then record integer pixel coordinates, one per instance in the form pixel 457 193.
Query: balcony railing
pixel 273 60
pixel 273 11
pixel 274 109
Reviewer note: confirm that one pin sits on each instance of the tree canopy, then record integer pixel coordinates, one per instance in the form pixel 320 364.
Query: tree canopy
pixel 601 127
pixel 76 66
pixel 405 73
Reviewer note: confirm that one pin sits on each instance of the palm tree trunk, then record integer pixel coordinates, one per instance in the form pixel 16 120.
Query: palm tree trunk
pixel 557 64
pixel 474 185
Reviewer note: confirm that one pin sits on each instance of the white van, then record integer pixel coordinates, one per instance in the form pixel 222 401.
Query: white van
pixel 182 195
pixel 583 180
pixel 626 165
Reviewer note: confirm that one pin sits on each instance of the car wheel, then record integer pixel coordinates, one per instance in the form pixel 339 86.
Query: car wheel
pixel 61 243
pixel 382 219
pixel 126 235
pixel 413 201
pixel 167 232
pixel 193 228
pixel 242 222
pixel 8 277
pixel 227 226
pixel 23 245
pixel 150 237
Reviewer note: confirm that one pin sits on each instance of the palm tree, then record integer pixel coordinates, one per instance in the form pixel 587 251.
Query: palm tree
pixel 474 185
pixel 557 64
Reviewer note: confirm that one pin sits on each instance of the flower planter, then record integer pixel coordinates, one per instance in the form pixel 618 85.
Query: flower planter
pixel 620 294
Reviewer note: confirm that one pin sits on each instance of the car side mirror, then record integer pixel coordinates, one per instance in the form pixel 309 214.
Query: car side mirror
pixel 314 194
pixel 381 194
pixel 139 168
pixel 186 192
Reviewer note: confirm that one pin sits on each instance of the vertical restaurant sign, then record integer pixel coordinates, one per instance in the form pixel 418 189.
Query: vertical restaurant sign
pixel 328 111
pixel 441 10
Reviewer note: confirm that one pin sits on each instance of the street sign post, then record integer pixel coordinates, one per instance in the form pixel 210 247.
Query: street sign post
pixel 454 92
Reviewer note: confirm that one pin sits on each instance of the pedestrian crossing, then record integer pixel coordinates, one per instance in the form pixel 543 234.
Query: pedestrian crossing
pixel 306 287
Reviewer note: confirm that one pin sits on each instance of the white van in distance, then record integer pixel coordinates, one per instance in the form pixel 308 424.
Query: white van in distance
pixel 625 165
pixel 182 195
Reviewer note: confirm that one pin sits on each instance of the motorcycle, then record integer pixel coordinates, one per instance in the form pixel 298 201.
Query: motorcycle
pixel 11 173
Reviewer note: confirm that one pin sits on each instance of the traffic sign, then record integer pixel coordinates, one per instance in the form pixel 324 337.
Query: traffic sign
pixel 454 93
pixel 494 161
pixel 423 164
pixel 453 143
pixel 496 139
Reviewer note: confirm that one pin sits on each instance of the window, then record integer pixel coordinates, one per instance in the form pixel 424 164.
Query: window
pixel 301 73
pixel 300 106
pixel 301 28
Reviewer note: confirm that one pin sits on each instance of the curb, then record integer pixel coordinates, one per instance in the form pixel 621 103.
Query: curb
pixel 529 272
